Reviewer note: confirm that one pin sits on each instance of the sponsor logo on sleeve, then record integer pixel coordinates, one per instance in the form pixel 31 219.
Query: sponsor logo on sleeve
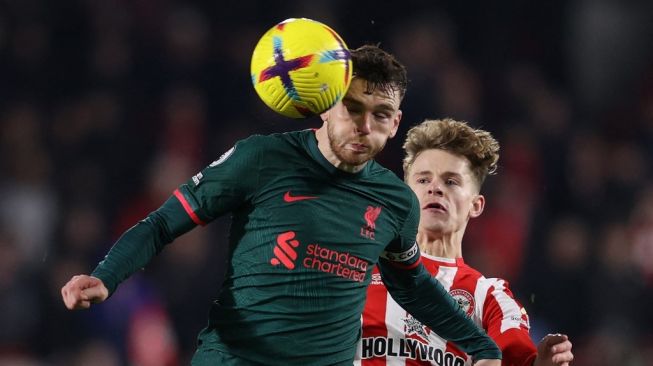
pixel 223 157
pixel 197 177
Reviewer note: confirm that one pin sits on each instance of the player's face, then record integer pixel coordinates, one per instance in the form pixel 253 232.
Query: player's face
pixel 446 190
pixel 360 124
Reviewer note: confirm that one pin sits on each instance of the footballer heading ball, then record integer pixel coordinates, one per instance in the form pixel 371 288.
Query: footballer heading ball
pixel 301 67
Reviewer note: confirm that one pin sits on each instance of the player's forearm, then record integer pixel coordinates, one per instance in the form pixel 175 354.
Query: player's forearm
pixel 430 303
pixel 138 245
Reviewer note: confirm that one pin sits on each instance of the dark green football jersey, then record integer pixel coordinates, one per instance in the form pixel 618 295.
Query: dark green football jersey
pixel 303 242
pixel 305 237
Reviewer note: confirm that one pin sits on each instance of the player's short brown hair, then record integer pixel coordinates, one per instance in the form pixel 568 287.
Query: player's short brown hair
pixel 380 69
pixel 478 146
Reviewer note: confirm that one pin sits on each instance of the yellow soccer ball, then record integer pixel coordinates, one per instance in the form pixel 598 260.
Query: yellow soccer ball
pixel 301 67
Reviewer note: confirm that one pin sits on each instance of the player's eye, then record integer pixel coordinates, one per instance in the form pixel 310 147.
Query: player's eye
pixel 422 181
pixel 352 109
pixel 452 182
pixel 381 116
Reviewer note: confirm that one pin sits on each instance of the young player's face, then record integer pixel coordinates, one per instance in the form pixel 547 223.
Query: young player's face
pixel 446 190
pixel 361 123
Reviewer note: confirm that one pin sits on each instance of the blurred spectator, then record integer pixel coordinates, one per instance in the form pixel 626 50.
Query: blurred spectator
pixel 617 274
pixel 560 293
pixel 29 203
pixel 19 304
pixel 642 226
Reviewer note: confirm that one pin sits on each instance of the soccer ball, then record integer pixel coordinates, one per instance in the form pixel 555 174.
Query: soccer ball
pixel 301 67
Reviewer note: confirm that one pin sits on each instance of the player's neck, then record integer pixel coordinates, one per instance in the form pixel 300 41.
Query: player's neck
pixel 325 148
pixel 440 245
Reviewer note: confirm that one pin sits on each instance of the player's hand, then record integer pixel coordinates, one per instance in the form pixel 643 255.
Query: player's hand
pixel 554 349
pixel 82 291
pixel 488 363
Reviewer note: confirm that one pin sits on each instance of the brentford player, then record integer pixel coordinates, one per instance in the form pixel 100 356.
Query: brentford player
pixel 446 163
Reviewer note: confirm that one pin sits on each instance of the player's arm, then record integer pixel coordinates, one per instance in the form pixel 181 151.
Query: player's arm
pixel 219 188
pixel 410 284
pixel 518 349
pixel 133 250
pixel 506 321
pixel 138 245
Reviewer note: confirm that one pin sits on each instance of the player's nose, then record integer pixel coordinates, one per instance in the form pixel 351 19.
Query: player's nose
pixel 435 188
pixel 364 124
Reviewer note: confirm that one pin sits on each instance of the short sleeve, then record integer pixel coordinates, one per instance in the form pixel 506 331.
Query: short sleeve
pixel 506 321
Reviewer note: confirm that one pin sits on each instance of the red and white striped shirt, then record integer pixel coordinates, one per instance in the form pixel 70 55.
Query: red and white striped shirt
pixel 391 336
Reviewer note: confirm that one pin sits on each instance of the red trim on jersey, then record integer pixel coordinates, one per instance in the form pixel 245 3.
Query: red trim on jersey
pixel 403 266
pixel 187 208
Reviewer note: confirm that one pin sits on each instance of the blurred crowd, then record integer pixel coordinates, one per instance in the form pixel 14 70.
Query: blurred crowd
pixel 106 106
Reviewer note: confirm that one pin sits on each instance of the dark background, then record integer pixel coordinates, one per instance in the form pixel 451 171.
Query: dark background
pixel 106 106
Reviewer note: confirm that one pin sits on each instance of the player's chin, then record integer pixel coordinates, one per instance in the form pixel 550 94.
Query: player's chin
pixel 356 158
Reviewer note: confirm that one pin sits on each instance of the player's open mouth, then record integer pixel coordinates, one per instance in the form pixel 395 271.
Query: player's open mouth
pixel 434 206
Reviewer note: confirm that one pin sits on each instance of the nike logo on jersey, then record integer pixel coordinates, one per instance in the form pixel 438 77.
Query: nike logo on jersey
pixel 290 198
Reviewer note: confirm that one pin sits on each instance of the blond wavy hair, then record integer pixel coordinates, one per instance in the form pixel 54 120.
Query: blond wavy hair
pixel 457 137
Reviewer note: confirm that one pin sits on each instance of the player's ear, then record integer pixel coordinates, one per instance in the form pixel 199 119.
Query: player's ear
pixel 395 123
pixel 478 204
pixel 325 115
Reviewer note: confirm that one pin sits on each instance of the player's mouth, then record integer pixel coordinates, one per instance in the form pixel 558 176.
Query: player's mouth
pixel 359 148
pixel 434 207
